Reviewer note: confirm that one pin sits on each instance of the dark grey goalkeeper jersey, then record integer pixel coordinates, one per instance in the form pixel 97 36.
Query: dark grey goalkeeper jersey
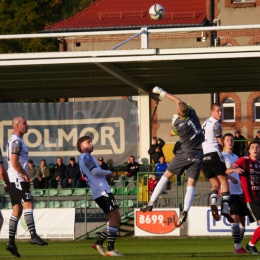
pixel 189 130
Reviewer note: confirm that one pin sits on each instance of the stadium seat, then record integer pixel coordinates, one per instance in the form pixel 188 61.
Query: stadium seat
pixel 82 204
pixel 65 192
pixel 39 204
pixel 51 192
pixel 68 204
pixel 120 190
pixel 113 190
pixel 8 205
pixel 94 205
pixel 126 203
pixel 5 194
pixel 54 204
pixel 89 192
pixel 79 192
pixel 37 193
pixel 134 191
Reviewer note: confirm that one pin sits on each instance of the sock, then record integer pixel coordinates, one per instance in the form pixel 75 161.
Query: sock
pixel 225 196
pixel 159 188
pixel 102 237
pixel 235 232
pixel 28 217
pixel 242 232
pixel 111 237
pixel 13 222
pixel 189 196
pixel 214 197
pixel 255 237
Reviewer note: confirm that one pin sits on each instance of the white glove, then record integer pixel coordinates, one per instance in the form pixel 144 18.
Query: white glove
pixel 174 117
pixel 159 90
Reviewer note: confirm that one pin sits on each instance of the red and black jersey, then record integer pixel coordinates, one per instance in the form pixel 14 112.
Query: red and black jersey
pixel 250 179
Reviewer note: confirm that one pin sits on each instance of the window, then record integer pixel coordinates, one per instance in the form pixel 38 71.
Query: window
pixel 228 113
pixel 257 110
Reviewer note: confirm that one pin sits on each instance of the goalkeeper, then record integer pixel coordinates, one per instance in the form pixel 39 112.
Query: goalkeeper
pixel 185 124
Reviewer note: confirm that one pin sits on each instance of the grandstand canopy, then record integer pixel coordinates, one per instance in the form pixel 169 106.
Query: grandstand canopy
pixel 121 73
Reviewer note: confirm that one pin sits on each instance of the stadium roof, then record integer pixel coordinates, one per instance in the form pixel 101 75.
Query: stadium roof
pixel 114 15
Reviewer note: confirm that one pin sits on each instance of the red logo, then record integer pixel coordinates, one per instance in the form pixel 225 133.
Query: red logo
pixel 157 222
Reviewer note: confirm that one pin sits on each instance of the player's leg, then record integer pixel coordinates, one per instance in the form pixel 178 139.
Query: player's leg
pixel 1 220
pixel 254 210
pixel 13 222
pixel 215 185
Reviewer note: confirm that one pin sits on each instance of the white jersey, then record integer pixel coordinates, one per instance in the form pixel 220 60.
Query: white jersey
pixel 16 145
pixel 97 183
pixel 212 130
pixel 234 189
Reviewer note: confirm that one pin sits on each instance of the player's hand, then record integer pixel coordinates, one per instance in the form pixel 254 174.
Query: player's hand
pixel 159 90
pixel 238 170
pixel 111 175
pixel 26 177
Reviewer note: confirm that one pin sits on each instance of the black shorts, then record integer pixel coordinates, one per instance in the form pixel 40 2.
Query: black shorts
pixel 20 192
pixel 212 165
pixel 190 161
pixel 254 211
pixel 237 206
pixel 107 203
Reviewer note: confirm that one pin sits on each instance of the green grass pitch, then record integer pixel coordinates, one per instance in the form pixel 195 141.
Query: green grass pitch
pixel 134 248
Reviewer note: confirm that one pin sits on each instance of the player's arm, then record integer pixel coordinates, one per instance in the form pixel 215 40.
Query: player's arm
pixel 17 166
pixel 234 168
pixel 162 93
pixel 218 134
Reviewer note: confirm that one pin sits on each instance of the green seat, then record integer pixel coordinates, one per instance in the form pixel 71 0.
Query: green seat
pixel 8 205
pixel 68 204
pixel 39 204
pixel 89 192
pixel 65 192
pixel 121 190
pixel 134 191
pixel 94 205
pixel 82 204
pixel 126 203
pixel 113 190
pixel 79 192
pixel 5 194
pixel 51 192
pixel 54 204
pixel 37 193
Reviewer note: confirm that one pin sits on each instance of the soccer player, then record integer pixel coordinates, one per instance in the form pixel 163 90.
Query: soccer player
pixel 17 157
pixel 96 179
pixel 248 169
pixel 238 209
pixel 186 124
pixel 213 165
pixel 5 179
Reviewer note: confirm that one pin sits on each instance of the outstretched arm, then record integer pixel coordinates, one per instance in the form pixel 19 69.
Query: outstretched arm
pixel 162 93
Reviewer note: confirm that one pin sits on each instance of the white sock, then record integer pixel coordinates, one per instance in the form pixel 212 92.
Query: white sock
pixel 189 196
pixel 158 190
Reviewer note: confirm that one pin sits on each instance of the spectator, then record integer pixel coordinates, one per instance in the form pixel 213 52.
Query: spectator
pixel 43 175
pixel 152 183
pixel 161 167
pixel 132 167
pixel 155 150
pixel 72 174
pixel 58 174
pixel 257 138
pixel 240 144
pixel 32 173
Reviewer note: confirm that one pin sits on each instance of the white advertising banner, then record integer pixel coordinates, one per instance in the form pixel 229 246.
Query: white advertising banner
pixel 159 222
pixel 201 223
pixel 50 224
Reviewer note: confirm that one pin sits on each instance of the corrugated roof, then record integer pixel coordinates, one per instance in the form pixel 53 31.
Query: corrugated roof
pixel 107 14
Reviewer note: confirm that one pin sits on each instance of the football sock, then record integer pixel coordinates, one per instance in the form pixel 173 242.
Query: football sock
pixel 102 237
pixel 214 197
pixel 158 190
pixel 242 232
pixel 255 237
pixel 13 222
pixel 225 196
pixel 189 196
pixel 28 217
pixel 111 237
pixel 235 232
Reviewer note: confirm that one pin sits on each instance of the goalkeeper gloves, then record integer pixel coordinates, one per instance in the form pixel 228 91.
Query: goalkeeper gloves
pixel 160 91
